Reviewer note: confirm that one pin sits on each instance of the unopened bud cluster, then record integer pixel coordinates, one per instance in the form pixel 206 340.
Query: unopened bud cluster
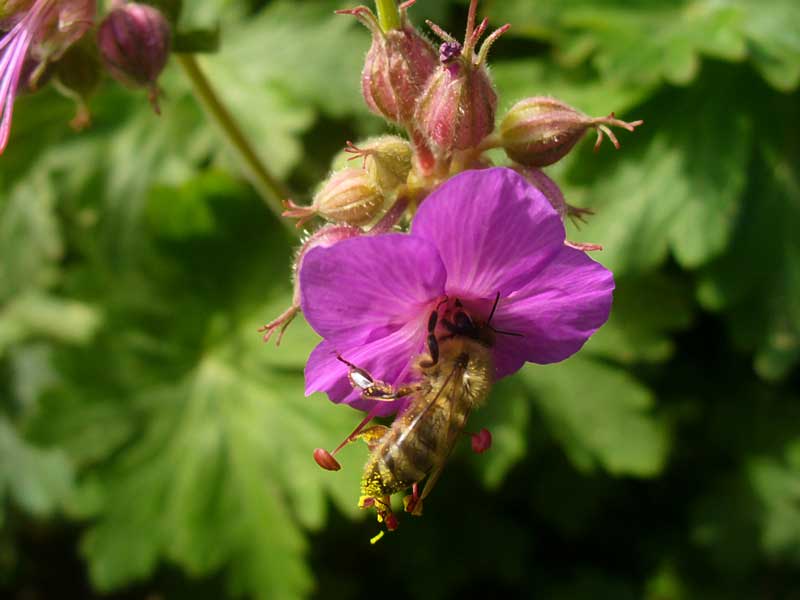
pixel 445 101
pixel 67 43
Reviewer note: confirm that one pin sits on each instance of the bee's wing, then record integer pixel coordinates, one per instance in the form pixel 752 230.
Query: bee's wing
pixel 455 391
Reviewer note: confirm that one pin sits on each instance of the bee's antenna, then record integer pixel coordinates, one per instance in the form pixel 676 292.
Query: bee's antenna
pixel 511 333
pixel 491 316
pixel 494 308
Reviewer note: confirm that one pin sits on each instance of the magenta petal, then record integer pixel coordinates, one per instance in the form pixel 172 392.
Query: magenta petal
pixel 494 231
pixel 556 312
pixel 359 287
pixel 388 358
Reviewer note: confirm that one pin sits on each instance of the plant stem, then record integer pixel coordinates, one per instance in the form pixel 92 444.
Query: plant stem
pixel 388 15
pixel 269 187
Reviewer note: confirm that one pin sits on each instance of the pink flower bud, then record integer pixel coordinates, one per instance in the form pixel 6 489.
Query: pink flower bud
pixel 397 66
pixel 350 196
pixel 457 109
pixel 540 131
pixel 134 41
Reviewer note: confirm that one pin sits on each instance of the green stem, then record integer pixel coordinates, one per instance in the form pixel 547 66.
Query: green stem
pixel 388 14
pixel 269 187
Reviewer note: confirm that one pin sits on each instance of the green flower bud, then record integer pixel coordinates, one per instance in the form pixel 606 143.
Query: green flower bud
pixel 540 131
pixel 386 158
pixel 350 196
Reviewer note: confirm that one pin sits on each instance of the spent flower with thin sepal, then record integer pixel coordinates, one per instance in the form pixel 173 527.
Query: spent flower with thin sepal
pixel 39 43
pixel 37 33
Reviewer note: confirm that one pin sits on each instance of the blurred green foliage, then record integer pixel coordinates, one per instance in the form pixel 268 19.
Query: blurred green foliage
pixel 145 429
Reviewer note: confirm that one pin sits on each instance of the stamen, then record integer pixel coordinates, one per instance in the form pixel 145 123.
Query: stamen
pixel 325 460
pixel 377 538
pixel 481 441
pixel 449 51
pixel 391 521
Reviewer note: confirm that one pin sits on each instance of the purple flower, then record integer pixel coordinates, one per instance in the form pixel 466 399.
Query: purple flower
pixel 41 31
pixel 480 234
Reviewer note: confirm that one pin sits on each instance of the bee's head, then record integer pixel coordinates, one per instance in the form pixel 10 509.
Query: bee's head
pixel 452 320
pixel 462 324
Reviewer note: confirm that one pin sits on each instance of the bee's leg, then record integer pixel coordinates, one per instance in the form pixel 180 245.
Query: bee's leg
pixel 372 435
pixel 371 388
pixel 433 343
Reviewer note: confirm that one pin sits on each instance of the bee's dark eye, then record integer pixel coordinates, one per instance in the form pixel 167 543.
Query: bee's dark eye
pixel 462 321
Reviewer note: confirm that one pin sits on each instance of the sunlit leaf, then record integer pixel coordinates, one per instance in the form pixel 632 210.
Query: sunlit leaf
pixel 38 481
pixel 601 415
pixel 675 188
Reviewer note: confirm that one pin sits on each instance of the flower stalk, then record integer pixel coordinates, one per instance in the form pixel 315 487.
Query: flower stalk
pixel 268 186
pixel 388 14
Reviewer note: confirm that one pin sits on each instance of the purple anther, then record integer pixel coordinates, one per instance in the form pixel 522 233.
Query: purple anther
pixel 449 51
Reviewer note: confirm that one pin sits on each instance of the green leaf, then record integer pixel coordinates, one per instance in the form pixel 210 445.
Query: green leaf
pixel 310 52
pixel 678 188
pixel 506 416
pixel 40 315
pixel 758 283
pixel 518 79
pixel 643 43
pixel 30 237
pixel 196 40
pixel 777 485
pixel 221 475
pixel 39 481
pixel 646 311
pixel 601 415
pixel 774 45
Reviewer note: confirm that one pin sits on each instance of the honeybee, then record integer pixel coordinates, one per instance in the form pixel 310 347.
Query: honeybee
pixel 453 377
